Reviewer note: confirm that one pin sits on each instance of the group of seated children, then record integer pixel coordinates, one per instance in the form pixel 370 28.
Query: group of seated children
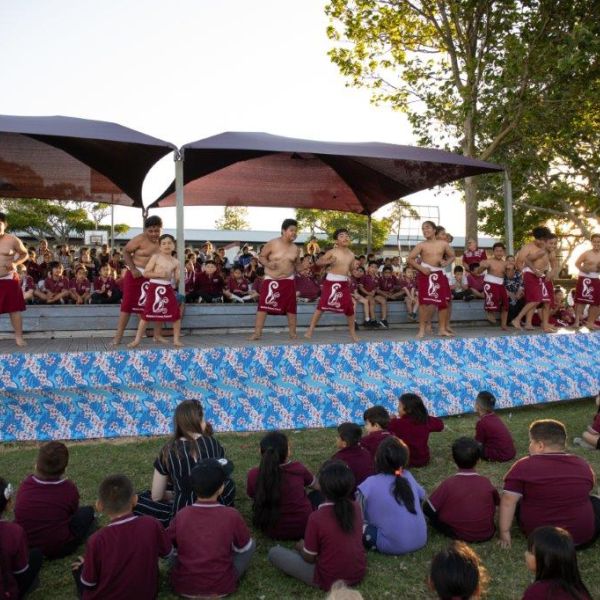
pixel 363 498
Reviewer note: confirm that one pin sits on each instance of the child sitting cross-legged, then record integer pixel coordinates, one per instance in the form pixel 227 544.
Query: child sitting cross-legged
pixel 496 441
pixel 332 549
pixel 121 559
pixel 376 420
pixel 352 453
pixel 463 506
pixel 214 546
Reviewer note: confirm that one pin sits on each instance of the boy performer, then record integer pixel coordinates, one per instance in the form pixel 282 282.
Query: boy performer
pixel 495 294
pixel 12 253
pixel 336 296
pixel 136 254
pixel 279 257
pixel 588 284
pixel 432 283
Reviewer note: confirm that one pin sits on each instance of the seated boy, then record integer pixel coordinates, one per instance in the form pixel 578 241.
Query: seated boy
pixel 369 288
pixel 376 419
pixel 239 288
pixel 459 285
pixel 475 282
pixel 464 505
pixel 56 285
pixel 307 287
pixel 388 285
pixel 496 441
pixel 27 284
pixel 551 488
pixel 214 546
pixel 352 453
pixel 121 560
pixel 80 286
pixel 209 283
pixel 47 505
pixel 106 290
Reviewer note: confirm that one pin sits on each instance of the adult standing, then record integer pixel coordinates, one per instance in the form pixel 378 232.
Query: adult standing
pixel 136 254
pixel 12 253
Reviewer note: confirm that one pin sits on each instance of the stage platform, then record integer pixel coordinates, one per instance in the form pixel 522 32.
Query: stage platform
pixel 80 389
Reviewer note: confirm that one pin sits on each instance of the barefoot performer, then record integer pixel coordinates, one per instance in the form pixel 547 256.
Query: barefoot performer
pixel 588 284
pixel 12 253
pixel 432 283
pixel 279 257
pixel 336 296
pixel 136 254
pixel 161 305
pixel 495 294
pixel 534 261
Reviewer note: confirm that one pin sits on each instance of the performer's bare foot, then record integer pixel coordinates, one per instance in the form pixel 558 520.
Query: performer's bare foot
pixel 420 335
pixel 19 341
pixel 134 344
pixel 505 328
pixel 308 334
pixel 451 330
pixel 445 333
pixel 429 329
pixel 354 338
pixel 116 341
pixel 549 330
pixel 255 336
pixel 293 336
pixel 529 328
pixel 177 343
pixel 159 339
pixel 516 324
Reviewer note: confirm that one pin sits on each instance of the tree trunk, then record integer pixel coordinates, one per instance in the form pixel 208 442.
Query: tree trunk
pixel 470 208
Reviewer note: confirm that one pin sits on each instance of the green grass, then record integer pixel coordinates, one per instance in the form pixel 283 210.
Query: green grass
pixel 388 577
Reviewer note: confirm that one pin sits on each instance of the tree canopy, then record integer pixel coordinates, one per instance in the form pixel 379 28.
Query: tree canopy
pixel 235 218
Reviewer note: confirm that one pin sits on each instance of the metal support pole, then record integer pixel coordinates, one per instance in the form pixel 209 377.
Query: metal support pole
pixel 508 214
pixel 369 234
pixel 112 227
pixel 179 216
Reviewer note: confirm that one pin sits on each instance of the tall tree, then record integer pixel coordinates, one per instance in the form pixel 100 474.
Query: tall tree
pixel 466 72
pixel 235 218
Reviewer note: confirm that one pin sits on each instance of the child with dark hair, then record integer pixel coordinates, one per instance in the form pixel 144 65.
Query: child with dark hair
pixel 47 505
pixel 391 502
pixel 212 568
pixel 238 288
pixel 490 431
pixel 352 453
pixel 121 560
pixel 551 556
pixel 19 567
pixel 56 285
pixel 590 438
pixel 457 573
pixel 376 419
pixel 464 505
pixel 332 549
pixel 369 288
pixel 80 286
pixel 210 283
pixel 281 506
pixel 105 289
pixel 413 426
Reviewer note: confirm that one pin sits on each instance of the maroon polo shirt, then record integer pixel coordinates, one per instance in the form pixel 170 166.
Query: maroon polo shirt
pixel 44 509
pixel 371 441
pixel 475 282
pixel 80 287
pixel 387 284
pixel 121 560
pixel 55 286
pixel 555 490
pixel 476 256
pixel 307 287
pixel 416 436
pixel 494 436
pixel 295 507
pixel 547 589
pixel 14 557
pixel 212 285
pixel 359 460
pixel 467 503
pixel 369 283
pixel 206 535
pixel 340 554
pixel 239 287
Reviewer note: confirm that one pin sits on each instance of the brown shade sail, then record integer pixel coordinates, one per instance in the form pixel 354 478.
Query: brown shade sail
pixel 65 158
pixel 260 169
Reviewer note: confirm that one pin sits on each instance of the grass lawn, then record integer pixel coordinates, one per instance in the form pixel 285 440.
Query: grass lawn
pixel 388 577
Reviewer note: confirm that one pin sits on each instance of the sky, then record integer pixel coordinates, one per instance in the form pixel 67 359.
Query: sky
pixel 185 70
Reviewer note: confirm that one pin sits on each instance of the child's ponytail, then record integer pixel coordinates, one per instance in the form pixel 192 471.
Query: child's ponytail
pixel 336 481
pixel 267 498
pixel 391 458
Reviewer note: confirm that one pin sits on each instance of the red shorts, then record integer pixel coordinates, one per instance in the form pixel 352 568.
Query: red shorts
pixel 587 291
pixel 434 289
pixel 277 297
pixel 134 294
pixel 161 302
pixel 336 298
pixel 496 296
pixel 536 288
pixel 11 295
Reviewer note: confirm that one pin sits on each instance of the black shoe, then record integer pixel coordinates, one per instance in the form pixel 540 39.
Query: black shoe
pixel 356 326
pixel 384 323
pixel 373 324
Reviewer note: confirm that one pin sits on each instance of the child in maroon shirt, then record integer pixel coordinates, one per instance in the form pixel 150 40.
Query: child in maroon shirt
pixel 56 286
pixel 213 543
pixel 413 426
pixel 239 288
pixel 590 438
pixel 19 567
pixel 47 505
pixel 105 288
pixel 281 506
pixel 551 556
pixel 307 287
pixel 209 283
pixel 376 419
pixel 496 441
pixel 352 453
pixel 80 286
pixel 369 288
pixel 121 560
pixel 332 547
pixel 464 505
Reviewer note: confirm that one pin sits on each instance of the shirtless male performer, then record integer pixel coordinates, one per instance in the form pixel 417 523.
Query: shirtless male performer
pixel 12 253
pixel 495 294
pixel 533 260
pixel 136 254
pixel 588 284
pixel 280 258
pixel 336 296
pixel 432 283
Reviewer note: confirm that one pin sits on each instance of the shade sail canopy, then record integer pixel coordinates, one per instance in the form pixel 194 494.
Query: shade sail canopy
pixel 260 169
pixel 65 158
